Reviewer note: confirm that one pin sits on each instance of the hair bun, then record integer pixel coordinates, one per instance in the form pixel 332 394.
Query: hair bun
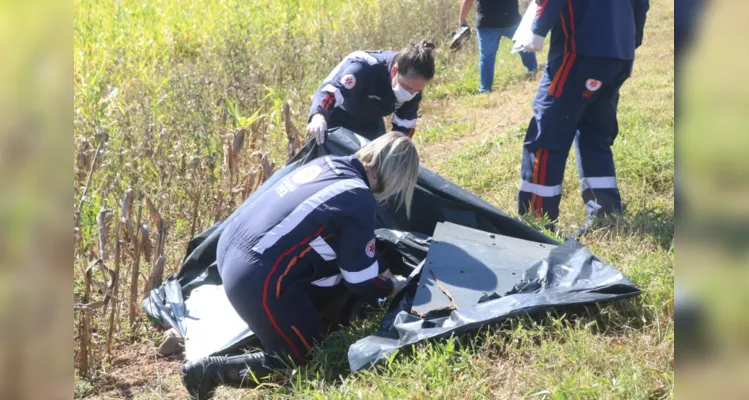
pixel 427 45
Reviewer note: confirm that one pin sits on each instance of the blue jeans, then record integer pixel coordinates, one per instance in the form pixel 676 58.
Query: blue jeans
pixel 488 46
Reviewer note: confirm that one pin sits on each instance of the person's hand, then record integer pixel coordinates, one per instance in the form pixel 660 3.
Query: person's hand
pixel 532 43
pixel 399 283
pixel 317 128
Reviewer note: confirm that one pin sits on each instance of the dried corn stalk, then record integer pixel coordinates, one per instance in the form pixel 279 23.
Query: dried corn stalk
pixel 125 218
pixel 156 277
pixel 114 289
pixel 83 162
pixel 135 272
pixel 145 244
pixel 292 133
pixel 85 325
pixel 102 221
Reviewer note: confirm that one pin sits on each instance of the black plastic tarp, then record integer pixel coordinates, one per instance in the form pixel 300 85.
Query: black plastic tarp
pixel 192 300
pixel 466 267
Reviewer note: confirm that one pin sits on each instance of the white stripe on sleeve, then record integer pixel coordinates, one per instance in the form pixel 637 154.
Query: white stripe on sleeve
pixel 363 275
pixel 303 210
pixel 406 123
pixel 327 282
pixel 323 249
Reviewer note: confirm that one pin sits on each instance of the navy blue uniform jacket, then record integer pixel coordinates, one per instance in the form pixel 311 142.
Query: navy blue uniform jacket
pixel 593 28
pixel 359 91
pixel 316 226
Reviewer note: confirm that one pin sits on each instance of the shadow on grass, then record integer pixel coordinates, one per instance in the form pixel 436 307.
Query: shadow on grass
pixel 647 223
pixel 613 319
pixel 654 223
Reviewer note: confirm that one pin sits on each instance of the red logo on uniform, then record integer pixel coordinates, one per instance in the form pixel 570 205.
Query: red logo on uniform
pixel 348 81
pixel 593 84
pixel 370 249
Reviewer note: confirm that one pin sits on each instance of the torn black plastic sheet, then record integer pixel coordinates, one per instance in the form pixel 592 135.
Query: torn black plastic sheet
pixel 571 275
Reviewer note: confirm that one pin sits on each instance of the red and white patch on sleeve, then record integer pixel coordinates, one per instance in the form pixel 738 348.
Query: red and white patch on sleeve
pixel 348 81
pixel 593 84
pixel 328 101
pixel 371 248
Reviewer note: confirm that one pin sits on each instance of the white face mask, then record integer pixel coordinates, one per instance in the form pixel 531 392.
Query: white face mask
pixel 402 95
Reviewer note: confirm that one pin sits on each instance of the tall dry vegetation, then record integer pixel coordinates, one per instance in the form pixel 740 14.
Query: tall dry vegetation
pixel 181 110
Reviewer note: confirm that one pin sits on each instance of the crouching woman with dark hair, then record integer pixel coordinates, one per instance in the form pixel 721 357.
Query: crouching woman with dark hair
pixel 313 228
pixel 369 85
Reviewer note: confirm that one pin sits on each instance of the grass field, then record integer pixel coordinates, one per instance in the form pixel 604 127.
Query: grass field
pixel 171 83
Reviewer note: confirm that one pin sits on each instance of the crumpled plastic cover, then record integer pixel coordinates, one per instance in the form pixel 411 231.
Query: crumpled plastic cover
pixel 570 275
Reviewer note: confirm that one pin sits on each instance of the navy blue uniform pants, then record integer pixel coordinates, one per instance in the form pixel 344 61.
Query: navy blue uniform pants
pixel 274 302
pixel 576 103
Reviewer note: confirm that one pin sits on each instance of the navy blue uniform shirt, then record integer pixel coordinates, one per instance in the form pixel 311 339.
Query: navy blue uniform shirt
pixel 593 28
pixel 318 222
pixel 359 91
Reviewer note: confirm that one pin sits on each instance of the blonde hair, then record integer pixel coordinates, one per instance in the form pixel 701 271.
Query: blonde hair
pixel 393 159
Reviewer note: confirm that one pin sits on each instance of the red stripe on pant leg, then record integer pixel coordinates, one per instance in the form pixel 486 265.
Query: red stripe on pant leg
pixel 535 176
pixel 265 299
pixel 280 279
pixel 564 30
pixel 299 334
pixel 542 181
pixel 293 260
pixel 267 310
pixel 555 81
pixel 565 74
pixel 568 37
pixel 557 76
pixel 572 25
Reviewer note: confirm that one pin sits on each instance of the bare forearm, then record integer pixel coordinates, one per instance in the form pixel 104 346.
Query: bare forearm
pixel 465 6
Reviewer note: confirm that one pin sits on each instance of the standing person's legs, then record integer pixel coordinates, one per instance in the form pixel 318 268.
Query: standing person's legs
pixel 488 45
pixel 529 61
pixel 528 58
pixel 557 108
pixel 597 130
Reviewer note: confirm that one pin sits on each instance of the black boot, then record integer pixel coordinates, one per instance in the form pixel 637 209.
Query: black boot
pixel 202 377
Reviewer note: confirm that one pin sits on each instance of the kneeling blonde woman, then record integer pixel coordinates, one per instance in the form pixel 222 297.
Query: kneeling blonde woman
pixel 311 231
